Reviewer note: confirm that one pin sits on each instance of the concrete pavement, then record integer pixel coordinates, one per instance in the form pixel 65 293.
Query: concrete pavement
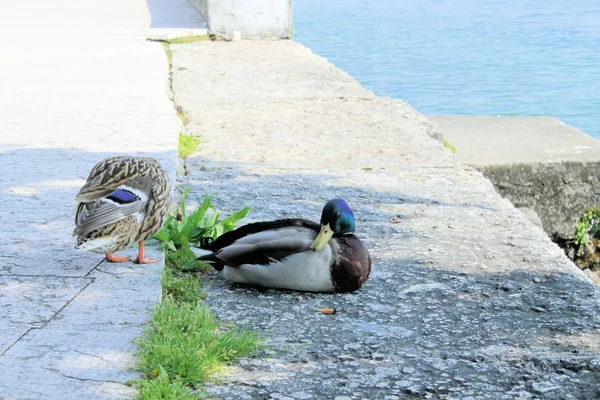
pixel 79 82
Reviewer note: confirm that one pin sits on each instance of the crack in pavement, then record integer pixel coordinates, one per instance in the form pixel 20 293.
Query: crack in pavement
pixel 90 355
pixel 95 268
pixel 108 273
pixel 48 276
pixel 92 380
pixel 47 321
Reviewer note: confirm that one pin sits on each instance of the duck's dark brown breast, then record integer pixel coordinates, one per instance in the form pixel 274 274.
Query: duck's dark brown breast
pixel 352 267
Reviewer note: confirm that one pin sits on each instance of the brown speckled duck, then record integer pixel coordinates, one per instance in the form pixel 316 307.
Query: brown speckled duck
pixel 124 200
pixel 295 254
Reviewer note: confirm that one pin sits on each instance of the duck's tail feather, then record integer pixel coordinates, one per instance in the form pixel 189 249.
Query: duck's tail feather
pixel 199 253
pixel 208 257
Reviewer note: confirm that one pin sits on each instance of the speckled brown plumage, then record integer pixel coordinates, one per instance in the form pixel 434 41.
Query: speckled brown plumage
pixel 124 200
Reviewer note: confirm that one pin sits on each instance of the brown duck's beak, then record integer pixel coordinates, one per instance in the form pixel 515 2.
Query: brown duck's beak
pixel 322 238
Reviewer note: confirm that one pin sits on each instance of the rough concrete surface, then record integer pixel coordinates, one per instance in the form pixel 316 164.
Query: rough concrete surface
pixel 79 83
pixel 539 163
pixel 491 140
pixel 467 299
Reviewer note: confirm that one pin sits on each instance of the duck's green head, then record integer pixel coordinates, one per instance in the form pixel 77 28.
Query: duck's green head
pixel 337 219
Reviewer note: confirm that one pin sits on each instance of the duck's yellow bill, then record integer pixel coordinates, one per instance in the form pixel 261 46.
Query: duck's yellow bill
pixel 322 238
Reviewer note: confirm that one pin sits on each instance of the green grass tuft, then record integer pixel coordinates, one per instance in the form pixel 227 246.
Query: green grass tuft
pixel 188 145
pixel 168 53
pixel 184 288
pixel 449 146
pixel 187 341
pixel 187 39
pixel 161 388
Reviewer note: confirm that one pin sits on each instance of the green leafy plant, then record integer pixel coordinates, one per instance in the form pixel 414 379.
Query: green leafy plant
pixel 587 227
pixel 449 146
pixel 188 144
pixel 162 388
pixel 177 236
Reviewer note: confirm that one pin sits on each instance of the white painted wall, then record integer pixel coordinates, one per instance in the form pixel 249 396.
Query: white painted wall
pixel 252 18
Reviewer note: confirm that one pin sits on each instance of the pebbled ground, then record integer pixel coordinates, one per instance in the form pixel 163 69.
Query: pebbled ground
pixel 467 299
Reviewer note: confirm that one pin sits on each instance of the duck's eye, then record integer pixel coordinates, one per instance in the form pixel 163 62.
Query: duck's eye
pixel 338 214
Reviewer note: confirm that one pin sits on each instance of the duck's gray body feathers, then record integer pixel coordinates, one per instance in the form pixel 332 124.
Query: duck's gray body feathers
pixel 277 254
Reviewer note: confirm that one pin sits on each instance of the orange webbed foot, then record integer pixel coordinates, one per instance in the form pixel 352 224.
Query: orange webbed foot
pixel 117 259
pixel 140 259
pixel 144 260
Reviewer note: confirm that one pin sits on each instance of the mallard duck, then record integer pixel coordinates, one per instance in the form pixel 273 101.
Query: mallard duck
pixel 295 254
pixel 124 200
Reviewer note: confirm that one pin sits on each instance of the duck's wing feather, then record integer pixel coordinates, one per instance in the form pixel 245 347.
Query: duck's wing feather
pixel 228 238
pixel 94 215
pixel 108 175
pixel 263 243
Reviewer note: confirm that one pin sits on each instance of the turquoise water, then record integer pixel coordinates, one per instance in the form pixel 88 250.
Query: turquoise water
pixel 467 57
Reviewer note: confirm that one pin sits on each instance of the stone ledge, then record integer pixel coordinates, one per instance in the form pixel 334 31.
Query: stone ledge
pixel 538 163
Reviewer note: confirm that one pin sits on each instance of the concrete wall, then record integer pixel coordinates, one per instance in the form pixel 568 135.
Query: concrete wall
pixel 263 19
pixel 558 192
pixel 538 163
pixel 202 6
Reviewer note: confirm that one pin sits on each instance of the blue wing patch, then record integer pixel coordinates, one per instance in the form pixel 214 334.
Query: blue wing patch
pixel 123 196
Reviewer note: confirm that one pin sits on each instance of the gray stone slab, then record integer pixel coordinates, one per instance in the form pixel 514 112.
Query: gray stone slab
pixel 118 300
pixel 467 299
pixel 489 140
pixel 70 390
pixel 110 20
pixel 10 333
pixel 441 335
pixel 69 364
pixel 105 133
pixel 60 106
pixel 30 302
